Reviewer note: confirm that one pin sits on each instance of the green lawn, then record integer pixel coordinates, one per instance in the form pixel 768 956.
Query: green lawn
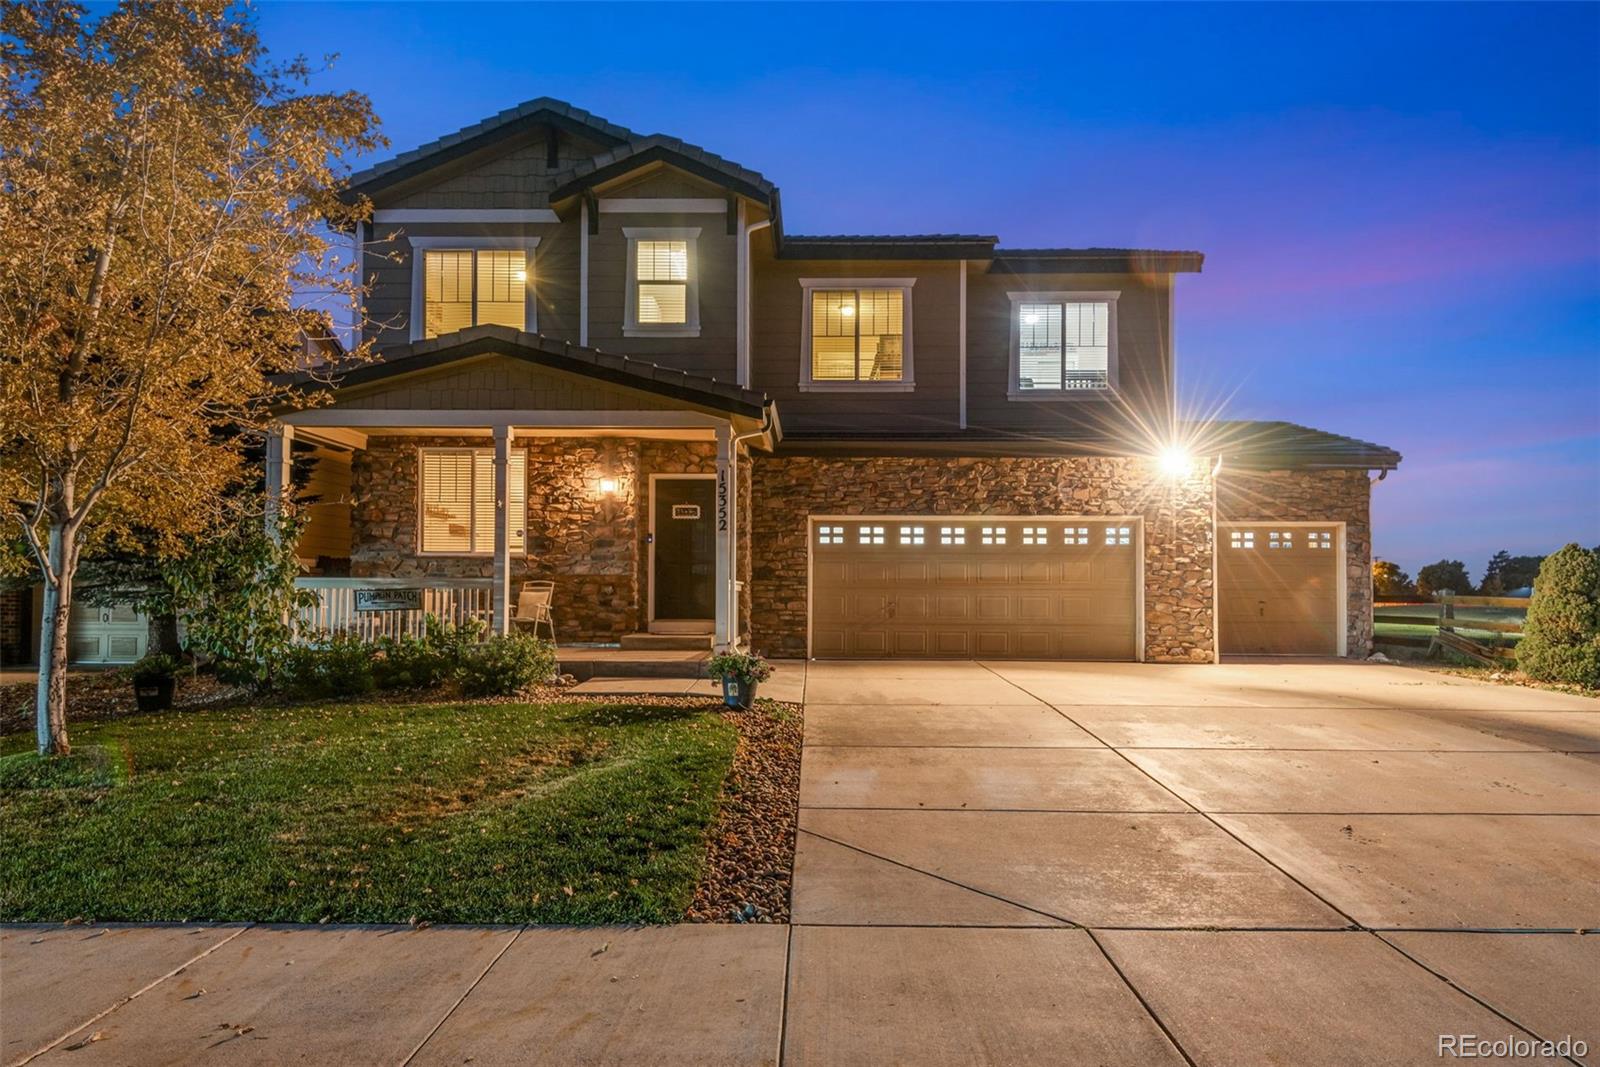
pixel 549 813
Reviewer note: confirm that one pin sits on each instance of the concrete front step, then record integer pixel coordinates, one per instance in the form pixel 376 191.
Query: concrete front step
pixel 666 642
pixel 586 663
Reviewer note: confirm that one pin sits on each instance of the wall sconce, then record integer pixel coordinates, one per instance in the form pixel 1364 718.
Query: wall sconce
pixel 608 486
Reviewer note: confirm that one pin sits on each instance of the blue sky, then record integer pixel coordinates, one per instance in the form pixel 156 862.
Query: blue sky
pixel 1400 205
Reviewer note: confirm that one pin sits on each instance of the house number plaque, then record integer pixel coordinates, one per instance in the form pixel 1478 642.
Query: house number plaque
pixel 722 501
pixel 686 511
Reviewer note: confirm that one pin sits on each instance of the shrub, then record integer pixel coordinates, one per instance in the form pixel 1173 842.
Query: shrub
pixel 330 665
pixel 505 664
pixel 410 663
pixel 1561 639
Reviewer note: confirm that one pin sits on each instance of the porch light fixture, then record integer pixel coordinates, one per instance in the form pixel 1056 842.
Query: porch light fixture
pixel 608 486
pixel 1175 461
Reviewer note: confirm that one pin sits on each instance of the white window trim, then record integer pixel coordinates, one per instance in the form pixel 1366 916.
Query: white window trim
pixel 631 326
pixel 907 382
pixel 420 245
pixel 1108 297
pixel 489 553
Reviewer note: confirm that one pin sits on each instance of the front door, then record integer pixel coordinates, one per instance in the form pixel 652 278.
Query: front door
pixel 685 567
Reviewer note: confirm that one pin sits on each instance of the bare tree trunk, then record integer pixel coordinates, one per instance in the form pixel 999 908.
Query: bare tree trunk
pixel 163 636
pixel 57 611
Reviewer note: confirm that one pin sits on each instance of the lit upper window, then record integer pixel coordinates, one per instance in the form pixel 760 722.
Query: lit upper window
pixel 457 500
pixel 662 273
pixel 857 335
pixel 1063 344
pixel 663 295
pixel 465 287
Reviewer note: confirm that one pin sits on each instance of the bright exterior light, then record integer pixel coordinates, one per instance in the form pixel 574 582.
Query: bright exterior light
pixel 1175 462
pixel 608 486
pixel 519 275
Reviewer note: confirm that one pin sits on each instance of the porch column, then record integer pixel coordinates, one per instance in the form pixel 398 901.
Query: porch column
pixel 501 595
pixel 724 634
pixel 280 442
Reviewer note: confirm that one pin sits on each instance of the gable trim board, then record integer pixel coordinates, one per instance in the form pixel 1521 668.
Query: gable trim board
pixel 665 205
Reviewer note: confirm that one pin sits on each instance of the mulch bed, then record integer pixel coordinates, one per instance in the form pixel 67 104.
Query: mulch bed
pixel 750 851
pixel 96 696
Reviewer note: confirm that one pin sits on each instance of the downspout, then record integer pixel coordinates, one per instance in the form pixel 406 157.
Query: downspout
pixel 746 286
pixel 1216 570
pixel 732 592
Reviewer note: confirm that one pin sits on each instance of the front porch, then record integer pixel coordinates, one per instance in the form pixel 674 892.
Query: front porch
pixel 443 477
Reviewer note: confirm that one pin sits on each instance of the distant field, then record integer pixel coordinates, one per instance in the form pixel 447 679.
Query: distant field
pixel 1464 618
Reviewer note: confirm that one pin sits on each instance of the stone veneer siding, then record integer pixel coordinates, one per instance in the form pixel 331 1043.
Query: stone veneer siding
pixel 592 546
pixel 1178 601
pixel 1314 496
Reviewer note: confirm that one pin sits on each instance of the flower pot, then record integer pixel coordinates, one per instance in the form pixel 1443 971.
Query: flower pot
pixel 738 693
pixel 154 694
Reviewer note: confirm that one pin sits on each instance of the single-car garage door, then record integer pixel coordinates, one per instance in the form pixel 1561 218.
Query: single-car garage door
pixel 1278 589
pixel 1026 588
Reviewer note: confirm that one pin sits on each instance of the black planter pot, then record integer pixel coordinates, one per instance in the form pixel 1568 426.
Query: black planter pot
pixel 154 695
pixel 737 693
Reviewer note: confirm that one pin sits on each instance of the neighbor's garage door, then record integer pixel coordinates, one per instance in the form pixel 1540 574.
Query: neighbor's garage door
pixel 1278 589
pixel 1039 588
pixel 115 634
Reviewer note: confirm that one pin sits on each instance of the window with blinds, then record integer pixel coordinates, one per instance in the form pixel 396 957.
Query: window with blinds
pixel 1063 346
pixel 464 287
pixel 857 335
pixel 457 489
pixel 662 275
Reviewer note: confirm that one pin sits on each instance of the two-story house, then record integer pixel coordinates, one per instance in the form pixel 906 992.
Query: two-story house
pixel 606 363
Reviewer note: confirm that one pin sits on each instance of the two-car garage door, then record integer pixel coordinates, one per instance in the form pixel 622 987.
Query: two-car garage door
pixel 1021 588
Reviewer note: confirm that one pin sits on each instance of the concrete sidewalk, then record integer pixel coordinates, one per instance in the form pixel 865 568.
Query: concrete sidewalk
pixel 1005 863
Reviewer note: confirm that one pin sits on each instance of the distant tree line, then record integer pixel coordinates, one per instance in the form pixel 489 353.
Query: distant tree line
pixel 1501 575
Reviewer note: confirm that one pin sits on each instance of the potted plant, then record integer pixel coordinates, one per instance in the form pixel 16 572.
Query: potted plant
pixel 740 673
pixel 154 678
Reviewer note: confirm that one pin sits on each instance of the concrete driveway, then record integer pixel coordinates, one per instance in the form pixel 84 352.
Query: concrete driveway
pixel 997 863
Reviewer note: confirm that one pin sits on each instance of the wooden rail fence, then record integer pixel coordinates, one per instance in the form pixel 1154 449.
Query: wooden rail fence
pixel 1448 626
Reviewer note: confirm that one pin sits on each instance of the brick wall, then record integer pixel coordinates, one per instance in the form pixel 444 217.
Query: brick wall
pixel 1314 496
pixel 1177 528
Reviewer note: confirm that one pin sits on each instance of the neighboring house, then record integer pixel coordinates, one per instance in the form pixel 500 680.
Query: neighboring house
pixel 874 446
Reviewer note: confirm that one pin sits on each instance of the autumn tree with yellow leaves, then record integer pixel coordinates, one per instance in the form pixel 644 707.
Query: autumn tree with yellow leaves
pixel 166 198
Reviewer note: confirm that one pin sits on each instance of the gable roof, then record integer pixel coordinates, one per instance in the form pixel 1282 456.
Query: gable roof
pixel 1094 261
pixel 1270 444
pixel 627 151
pixel 540 111
pixel 659 148
pixel 888 246
pixel 1241 443
pixel 539 350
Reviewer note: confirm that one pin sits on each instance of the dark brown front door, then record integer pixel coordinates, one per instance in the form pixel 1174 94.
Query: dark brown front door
pixel 685 549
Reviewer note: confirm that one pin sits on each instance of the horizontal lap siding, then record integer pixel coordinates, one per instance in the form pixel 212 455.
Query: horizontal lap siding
pixel 388 265
pixel 1144 366
pixel 776 356
pixel 712 354
pixel 517 178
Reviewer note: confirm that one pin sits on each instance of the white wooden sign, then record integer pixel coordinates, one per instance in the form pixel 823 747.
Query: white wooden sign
pixel 388 599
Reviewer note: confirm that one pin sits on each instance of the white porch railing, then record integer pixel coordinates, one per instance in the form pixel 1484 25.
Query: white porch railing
pixel 393 607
